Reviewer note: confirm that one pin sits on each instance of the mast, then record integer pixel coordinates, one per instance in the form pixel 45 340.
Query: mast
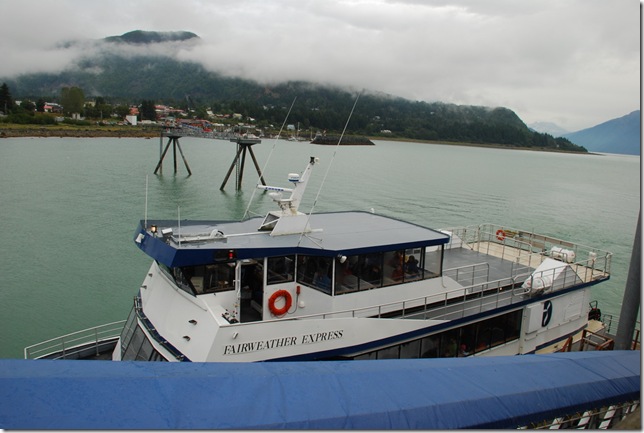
pixel 288 220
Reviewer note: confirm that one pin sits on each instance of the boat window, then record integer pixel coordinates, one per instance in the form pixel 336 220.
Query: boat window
pixel 449 343
pixel 414 261
pixel 432 263
pixel 138 347
pixel 218 277
pixel 367 356
pixel 393 270
pixel 203 278
pixel 315 271
pixel 370 270
pixel 410 350
pixel 132 349
pixel 280 269
pixel 367 271
pixel 467 342
pixel 389 353
pixel 429 346
pixel 361 272
pixel 128 331
pixel 183 279
pixel 464 341
pixel 145 352
pixel 347 275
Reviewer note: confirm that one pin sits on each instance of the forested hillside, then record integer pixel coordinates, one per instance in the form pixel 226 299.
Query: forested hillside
pixel 130 80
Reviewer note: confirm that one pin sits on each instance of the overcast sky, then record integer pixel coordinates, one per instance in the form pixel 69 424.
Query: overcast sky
pixel 575 63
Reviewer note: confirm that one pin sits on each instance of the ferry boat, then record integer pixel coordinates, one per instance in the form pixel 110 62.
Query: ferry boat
pixel 347 285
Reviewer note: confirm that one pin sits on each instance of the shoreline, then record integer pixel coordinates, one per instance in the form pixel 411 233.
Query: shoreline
pixel 76 132
pixel 483 145
pixel 46 131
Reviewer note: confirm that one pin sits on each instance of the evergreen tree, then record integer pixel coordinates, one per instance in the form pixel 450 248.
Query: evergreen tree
pixel 148 110
pixel 6 102
pixel 72 99
pixel 40 105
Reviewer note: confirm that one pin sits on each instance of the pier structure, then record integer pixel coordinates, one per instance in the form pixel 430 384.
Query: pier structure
pixel 243 145
pixel 173 139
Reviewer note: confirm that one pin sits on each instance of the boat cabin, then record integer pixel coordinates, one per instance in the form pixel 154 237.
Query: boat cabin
pixel 346 253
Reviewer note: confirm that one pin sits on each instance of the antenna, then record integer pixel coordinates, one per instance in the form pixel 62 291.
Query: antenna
pixel 145 217
pixel 268 158
pixel 331 162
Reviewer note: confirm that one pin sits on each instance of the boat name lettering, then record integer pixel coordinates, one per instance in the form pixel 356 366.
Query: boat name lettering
pixel 274 343
pixel 321 336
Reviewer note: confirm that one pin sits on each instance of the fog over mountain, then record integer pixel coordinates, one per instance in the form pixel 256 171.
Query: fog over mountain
pixel 571 62
pixel 548 128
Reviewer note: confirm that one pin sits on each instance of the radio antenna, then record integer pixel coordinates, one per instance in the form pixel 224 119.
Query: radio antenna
pixel 145 215
pixel 335 151
pixel 268 158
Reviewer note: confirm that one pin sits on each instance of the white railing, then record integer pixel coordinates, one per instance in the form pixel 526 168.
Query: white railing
pixel 602 418
pixel 455 303
pixel 533 243
pixel 473 273
pixel 68 345
pixel 530 244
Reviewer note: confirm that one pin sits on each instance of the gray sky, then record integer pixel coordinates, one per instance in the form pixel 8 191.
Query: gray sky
pixel 575 63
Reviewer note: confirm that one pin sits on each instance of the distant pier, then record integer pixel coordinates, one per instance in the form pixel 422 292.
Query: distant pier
pixel 244 144
pixel 173 139
pixel 346 140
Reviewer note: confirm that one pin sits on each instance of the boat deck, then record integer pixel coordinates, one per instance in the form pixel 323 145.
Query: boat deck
pixel 469 267
pixel 531 261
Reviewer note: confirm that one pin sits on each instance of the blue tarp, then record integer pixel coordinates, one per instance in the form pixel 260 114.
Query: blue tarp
pixel 494 392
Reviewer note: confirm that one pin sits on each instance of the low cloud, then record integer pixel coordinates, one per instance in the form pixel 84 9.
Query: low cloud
pixel 572 62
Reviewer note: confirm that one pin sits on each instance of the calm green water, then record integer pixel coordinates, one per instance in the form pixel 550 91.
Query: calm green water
pixel 69 208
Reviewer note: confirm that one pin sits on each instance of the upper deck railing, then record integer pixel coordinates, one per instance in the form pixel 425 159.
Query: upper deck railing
pixel 530 248
pixel 70 345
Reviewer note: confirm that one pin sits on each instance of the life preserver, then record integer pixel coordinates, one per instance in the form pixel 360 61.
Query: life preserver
pixel 288 300
pixel 500 234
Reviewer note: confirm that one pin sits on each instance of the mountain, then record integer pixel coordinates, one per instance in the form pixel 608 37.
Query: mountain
pixel 621 135
pixel 145 37
pixel 139 66
pixel 548 128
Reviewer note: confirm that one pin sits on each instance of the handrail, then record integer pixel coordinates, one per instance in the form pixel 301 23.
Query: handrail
pixel 595 255
pixel 536 244
pixel 443 297
pixel 66 344
pixel 601 342
pixel 609 319
pixel 464 267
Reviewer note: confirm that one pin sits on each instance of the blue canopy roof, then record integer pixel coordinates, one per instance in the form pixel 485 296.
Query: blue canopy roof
pixel 492 392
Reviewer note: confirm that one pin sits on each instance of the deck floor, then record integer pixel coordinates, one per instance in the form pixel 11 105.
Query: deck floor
pixel 493 266
pixel 531 261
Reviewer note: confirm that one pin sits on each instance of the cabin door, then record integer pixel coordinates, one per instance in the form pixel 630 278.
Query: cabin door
pixel 251 289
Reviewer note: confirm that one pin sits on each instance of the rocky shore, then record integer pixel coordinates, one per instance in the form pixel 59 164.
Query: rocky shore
pixel 12 132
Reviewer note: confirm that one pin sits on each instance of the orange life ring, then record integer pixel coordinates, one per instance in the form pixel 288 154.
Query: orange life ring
pixel 288 300
pixel 500 234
